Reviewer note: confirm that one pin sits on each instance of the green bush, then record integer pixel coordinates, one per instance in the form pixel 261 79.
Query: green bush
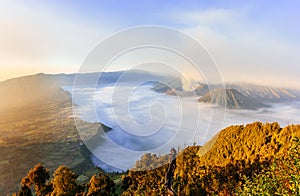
pixel 281 178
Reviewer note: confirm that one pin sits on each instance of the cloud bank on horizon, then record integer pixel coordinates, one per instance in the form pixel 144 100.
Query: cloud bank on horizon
pixel 251 41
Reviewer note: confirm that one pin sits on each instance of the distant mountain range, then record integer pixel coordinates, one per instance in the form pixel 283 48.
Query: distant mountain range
pixel 230 98
pixel 234 96
pixel 265 93
pixel 40 87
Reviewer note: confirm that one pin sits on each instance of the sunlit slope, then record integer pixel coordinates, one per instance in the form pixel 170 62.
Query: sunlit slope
pixel 36 127
pixel 241 142
pixel 221 165
pixel 35 89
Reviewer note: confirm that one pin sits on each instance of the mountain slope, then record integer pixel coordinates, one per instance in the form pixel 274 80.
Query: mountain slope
pixel 33 89
pixel 22 91
pixel 241 142
pixel 36 127
pixel 221 165
pixel 36 124
pixel 230 98
pixel 265 93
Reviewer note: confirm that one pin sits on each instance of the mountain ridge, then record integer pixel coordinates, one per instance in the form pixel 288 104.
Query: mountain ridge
pixel 259 93
pixel 230 98
pixel 221 166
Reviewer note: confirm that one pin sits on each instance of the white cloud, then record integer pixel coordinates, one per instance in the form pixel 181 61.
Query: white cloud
pixel 207 17
pixel 243 50
pixel 42 40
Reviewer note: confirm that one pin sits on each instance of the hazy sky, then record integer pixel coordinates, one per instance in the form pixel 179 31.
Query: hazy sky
pixel 251 41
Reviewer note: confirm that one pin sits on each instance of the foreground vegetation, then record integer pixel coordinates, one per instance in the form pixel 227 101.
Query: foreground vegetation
pixel 232 163
pixel 256 159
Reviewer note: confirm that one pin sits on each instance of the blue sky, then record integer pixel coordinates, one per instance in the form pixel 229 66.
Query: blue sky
pixel 251 41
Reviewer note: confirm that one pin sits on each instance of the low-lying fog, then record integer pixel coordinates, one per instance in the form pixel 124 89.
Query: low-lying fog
pixel 145 121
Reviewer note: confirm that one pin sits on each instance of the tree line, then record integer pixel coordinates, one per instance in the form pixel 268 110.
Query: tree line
pixel 255 159
pixel 64 183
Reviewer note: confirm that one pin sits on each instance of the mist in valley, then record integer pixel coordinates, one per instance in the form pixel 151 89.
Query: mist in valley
pixel 144 121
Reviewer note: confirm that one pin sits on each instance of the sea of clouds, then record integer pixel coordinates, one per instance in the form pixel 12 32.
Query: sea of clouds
pixel 145 121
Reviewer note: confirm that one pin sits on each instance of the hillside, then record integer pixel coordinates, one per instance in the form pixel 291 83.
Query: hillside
pixel 241 142
pixel 251 159
pixel 36 126
pixel 27 90
pixel 230 98
pixel 221 166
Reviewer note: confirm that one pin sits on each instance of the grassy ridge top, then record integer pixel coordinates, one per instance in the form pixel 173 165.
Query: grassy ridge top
pixel 246 142
pixel 221 165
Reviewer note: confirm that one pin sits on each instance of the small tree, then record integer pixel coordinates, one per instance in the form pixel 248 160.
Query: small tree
pixel 101 184
pixel 38 176
pixel 25 191
pixel 64 182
